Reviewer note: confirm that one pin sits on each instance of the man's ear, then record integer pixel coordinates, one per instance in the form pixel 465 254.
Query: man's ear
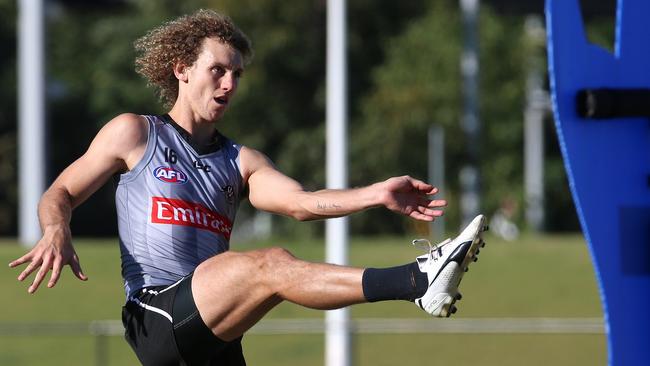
pixel 180 71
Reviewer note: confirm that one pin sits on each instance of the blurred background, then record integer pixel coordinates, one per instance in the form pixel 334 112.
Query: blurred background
pixel 404 77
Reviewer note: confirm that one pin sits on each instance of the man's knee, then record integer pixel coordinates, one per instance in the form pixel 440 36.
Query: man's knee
pixel 255 265
pixel 264 265
pixel 272 257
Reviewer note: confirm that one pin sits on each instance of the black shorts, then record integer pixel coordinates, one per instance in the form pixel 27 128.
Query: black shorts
pixel 163 326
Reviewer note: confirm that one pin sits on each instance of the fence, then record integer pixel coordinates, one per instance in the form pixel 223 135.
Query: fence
pixel 101 329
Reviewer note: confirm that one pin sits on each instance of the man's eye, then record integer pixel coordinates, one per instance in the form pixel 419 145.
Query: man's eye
pixel 218 70
pixel 238 74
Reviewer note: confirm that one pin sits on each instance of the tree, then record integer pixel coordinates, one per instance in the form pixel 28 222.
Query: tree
pixel 403 76
pixel 419 85
pixel 8 116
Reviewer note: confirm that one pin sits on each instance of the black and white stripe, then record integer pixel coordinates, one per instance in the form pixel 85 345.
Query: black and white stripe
pixel 155 293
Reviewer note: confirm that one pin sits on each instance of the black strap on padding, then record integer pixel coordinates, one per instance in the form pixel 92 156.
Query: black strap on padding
pixel 613 103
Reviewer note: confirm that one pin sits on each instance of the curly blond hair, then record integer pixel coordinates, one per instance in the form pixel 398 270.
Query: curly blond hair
pixel 180 41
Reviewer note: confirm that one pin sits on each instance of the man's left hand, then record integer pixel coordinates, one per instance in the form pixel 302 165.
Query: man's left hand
pixel 409 196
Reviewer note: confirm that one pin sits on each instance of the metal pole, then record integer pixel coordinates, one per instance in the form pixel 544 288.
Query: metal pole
pixel 437 174
pixel 470 201
pixel 337 337
pixel 537 105
pixel 31 129
pixel 101 350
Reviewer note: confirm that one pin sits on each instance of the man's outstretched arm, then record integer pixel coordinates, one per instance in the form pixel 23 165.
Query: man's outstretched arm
pixel 115 148
pixel 272 191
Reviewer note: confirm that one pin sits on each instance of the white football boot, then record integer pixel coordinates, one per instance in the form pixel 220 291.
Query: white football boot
pixel 445 265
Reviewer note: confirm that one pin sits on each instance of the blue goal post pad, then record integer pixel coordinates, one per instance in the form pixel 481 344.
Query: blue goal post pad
pixel 608 161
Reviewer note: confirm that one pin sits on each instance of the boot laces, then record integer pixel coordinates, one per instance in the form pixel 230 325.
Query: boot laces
pixel 435 251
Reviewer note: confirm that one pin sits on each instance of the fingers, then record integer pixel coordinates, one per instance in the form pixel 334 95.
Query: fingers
pixel 55 265
pixel 437 203
pixel 423 187
pixel 45 267
pixel 75 266
pixel 42 261
pixel 409 196
pixel 429 212
pixel 425 213
pixel 24 259
pixel 56 272
pixel 420 216
pixel 432 191
pixel 29 269
pixel 422 201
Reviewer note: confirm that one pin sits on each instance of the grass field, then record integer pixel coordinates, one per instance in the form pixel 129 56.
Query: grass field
pixel 549 276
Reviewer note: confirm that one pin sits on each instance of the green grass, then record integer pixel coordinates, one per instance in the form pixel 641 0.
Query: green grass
pixel 392 350
pixel 549 276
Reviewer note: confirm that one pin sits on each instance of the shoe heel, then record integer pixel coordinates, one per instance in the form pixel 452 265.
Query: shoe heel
pixel 448 308
pixel 440 306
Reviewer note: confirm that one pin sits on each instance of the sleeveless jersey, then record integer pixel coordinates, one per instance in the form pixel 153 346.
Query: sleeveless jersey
pixel 175 208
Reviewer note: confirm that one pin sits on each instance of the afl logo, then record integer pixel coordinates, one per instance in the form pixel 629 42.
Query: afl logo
pixel 170 175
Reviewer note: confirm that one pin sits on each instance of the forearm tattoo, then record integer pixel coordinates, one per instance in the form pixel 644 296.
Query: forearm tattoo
pixel 327 206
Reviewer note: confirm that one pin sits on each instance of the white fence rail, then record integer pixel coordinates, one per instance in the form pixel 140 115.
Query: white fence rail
pixel 359 326
pixel 101 329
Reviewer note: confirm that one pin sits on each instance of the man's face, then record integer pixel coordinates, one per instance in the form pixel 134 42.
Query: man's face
pixel 212 80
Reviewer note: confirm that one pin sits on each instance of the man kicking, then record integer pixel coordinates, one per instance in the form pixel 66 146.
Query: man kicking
pixel 190 299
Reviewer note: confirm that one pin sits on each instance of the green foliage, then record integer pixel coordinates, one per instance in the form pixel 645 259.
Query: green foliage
pixel 506 56
pixel 8 133
pixel 403 76
pixel 419 85
pixel 278 98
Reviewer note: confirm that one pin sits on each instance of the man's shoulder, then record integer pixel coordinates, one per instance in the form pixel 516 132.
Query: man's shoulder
pixel 252 160
pixel 124 137
pixel 253 156
pixel 129 127
pixel 129 121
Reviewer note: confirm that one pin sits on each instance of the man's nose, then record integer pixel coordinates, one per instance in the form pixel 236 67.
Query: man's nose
pixel 228 82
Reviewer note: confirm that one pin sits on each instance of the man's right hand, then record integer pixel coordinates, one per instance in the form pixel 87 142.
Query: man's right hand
pixel 52 252
pixel 118 147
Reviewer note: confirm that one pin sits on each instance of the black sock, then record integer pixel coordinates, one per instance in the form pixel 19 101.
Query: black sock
pixel 405 282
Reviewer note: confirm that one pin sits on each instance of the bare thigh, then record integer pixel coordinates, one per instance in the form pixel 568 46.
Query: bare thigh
pixel 234 290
